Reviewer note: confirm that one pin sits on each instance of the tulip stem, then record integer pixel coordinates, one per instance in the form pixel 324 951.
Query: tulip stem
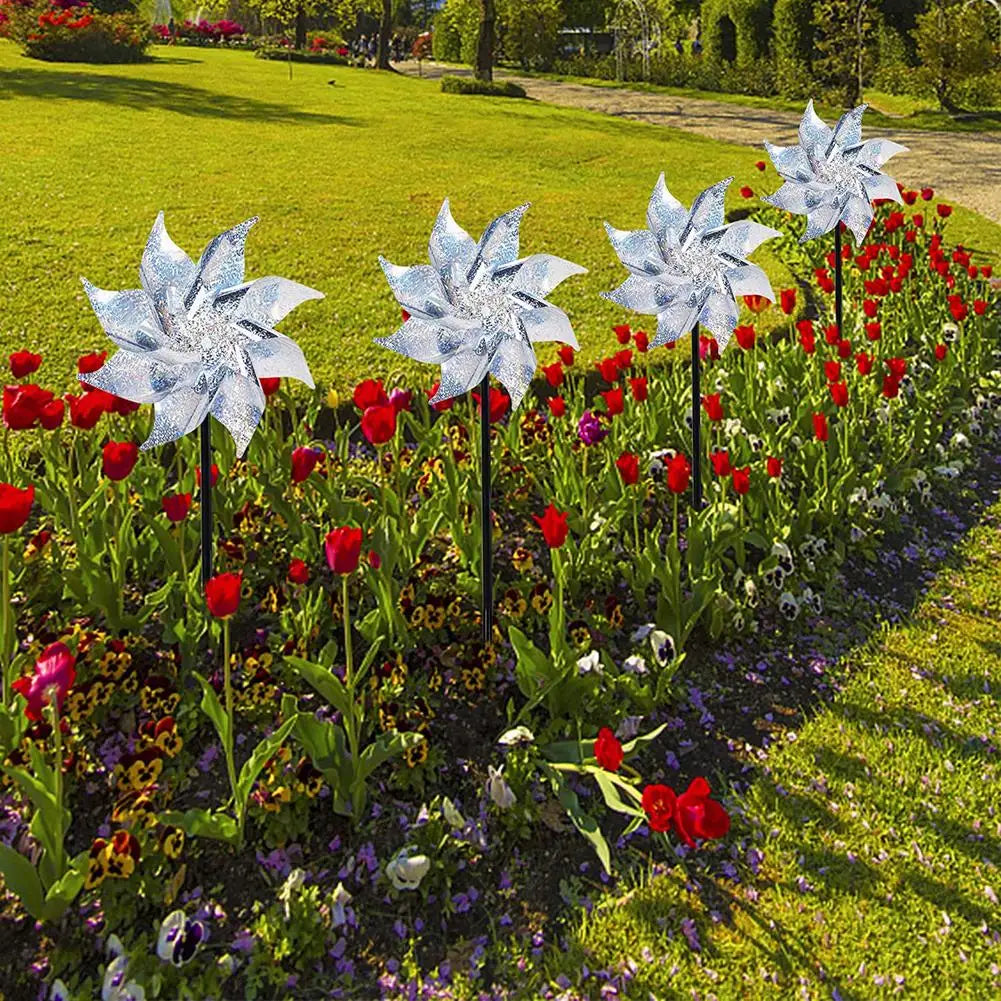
pixel 349 719
pixel 636 519
pixel 57 737
pixel 486 528
pixel 205 499
pixel 228 695
pixel 696 424
pixel 346 614
pixel 7 616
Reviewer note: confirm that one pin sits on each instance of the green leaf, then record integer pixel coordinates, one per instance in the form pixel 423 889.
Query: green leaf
pixel 326 683
pixel 253 765
pixel 212 708
pixel 567 751
pixel 203 824
pixel 610 790
pixel 384 748
pixel 64 891
pixel 22 879
pixel 631 745
pixel 585 823
pixel 533 669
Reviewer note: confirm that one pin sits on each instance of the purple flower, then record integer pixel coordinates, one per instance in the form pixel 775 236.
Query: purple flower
pixel 589 429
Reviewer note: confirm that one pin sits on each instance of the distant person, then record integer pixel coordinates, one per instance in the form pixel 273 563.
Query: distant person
pixel 373 48
pixel 697 47
pixel 679 48
pixel 363 46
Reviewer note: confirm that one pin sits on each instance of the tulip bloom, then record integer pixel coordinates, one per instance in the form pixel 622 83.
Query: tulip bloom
pixel 15 506
pixel 641 341
pixel 499 404
pixel 119 459
pixel 608 369
pixel 721 462
pixel 222 594
pixel 370 394
pixel 613 401
pixel 51 415
pixel 678 474
pixel 839 393
pixel 270 386
pixel 774 467
pixel 629 468
pixel 755 303
pixel 832 369
pixel 557 406
pixel 378 423
pixel 553 374
pixel 713 407
pixel 863 362
pixel 897 367
pixel 608 750
pixel 746 192
pixel 566 354
pixel 622 333
pixel 176 507
pixel 213 475
pixel 820 427
pixel 298 572
pixel 554 526
pixel 787 300
pixel 86 410
pixel 698 816
pixel 54 673
pixel 940 352
pixel 891 387
pixel 304 461
pixel 23 404
pixel 91 362
pixel 638 387
pixel 343 549
pixel 745 336
pixel 742 480
pixel 441 404
pixel 23 363
pixel 658 805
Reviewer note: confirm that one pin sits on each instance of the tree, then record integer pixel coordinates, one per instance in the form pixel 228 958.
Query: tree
pixel 841 29
pixel 528 31
pixel 953 48
pixel 485 41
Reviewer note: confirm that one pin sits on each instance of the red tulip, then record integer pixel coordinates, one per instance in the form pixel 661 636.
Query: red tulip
pixel 787 300
pixel 176 506
pixel 553 374
pixel 623 359
pixel 566 354
pixel 638 387
pixel 557 406
pixel 678 473
pixel 944 211
pixel 832 369
pixel 897 367
pixel 844 349
pixel 304 461
pixel 927 194
pixel 629 468
pixel 608 750
pixel 441 404
pixel 760 164
pixel 370 394
pixel 343 548
pixel 378 423
pixel 622 333
pixel 756 303
pixel 23 404
pixel 745 336
pixel 742 480
pixel 641 341
pixel 708 346
pixel 23 363
pixel 222 594
pixel 891 387
pixel 820 427
pixel 15 505
pixel 499 404
pixel 863 363
pixel 698 816
pixel 554 526
pixel 958 309
pixel 712 406
pixel 870 307
pixel 746 192
pixel 832 333
pixel 613 401
pixel 658 805
pixel 721 462
pixel 54 673
pixel 213 475
pixel 91 362
pixel 774 467
pixel 270 386
pixel 806 336
pixel 979 307
pixel 874 330
pixel 86 410
pixel 940 352
pixel 839 393
pixel 298 572
pixel 608 369
pixel 119 459
pixel 374 559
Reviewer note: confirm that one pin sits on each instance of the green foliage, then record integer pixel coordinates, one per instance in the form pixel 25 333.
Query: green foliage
pixel 953 47
pixel 836 39
pixel 78 35
pixel 466 85
pixel 792 45
pixel 300 55
pixel 751 20
pixel 455 31
pixel 528 31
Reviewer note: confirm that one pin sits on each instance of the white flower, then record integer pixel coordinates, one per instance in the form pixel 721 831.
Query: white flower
pixel 949 472
pixel 628 728
pixel 634 664
pixel 498 789
pixel 663 646
pixel 293 883
pixel 516 735
pixel 950 333
pixel 59 991
pixel 783 554
pixel 115 987
pixel 788 606
pixel 751 592
pixel 339 900
pixel 640 633
pixel 590 663
pixel 959 440
pixel 405 871
pixel 856 534
pixel 597 522
pixel 452 816
pixel 113 947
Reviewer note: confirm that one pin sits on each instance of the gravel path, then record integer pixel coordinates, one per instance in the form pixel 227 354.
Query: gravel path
pixel 962 167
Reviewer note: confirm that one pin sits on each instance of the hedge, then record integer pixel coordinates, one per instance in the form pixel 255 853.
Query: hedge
pixel 752 20
pixel 467 85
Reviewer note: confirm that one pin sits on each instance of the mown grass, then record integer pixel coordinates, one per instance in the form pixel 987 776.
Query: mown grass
pixel 338 174
pixel 879 828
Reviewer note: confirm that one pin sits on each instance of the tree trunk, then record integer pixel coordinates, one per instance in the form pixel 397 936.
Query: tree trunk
pixel 485 42
pixel 300 28
pixel 385 31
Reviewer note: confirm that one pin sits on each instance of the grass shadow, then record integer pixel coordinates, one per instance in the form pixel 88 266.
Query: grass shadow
pixel 158 95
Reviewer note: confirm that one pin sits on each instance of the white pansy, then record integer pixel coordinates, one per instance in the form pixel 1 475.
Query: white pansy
pixel 339 900
pixel 634 664
pixel 663 647
pixel 405 871
pixel 516 735
pixel 498 789
pixel 590 663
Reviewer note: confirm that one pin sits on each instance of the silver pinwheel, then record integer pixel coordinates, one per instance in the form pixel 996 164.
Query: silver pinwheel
pixel 688 267
pixel 196 339
pixel 832 176
pixel 477 309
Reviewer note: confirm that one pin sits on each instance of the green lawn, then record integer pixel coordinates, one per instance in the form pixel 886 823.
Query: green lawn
pixel 886 806
pixel 338 173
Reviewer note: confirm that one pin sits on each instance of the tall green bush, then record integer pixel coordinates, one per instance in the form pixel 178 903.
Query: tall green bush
pixel 528 31
pixel 792 44
pixel 752 21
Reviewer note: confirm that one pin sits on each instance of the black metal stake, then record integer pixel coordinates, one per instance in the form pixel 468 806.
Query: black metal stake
pixel 696 424
pixel 837 277
pixel 205 498
pixel 486 531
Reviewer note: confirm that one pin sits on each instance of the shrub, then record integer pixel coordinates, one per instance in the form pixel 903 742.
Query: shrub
pixel 528 31
pixel 78 34
pixel 793 47
pixel 466 85
pixel 751 22
pixel 275 50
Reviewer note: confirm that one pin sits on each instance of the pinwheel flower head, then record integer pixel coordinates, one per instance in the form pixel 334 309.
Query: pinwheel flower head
pixel 477 308
pixel 196 339
pixel 832 176
pixel 689 267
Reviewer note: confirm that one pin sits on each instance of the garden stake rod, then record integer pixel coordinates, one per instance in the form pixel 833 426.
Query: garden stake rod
pixel 696 424
pixel 205 498
pixel 486 536
pixel 837 276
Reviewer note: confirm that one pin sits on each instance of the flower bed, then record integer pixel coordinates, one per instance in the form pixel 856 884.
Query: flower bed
pixel 389 773
pixel 77 33
pixel 202 32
